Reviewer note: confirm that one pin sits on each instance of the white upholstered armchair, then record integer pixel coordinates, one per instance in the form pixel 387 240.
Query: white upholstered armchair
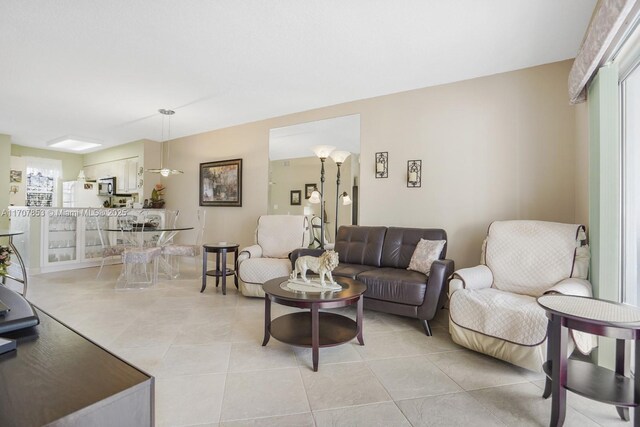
pixel 276 237
pixel 493 308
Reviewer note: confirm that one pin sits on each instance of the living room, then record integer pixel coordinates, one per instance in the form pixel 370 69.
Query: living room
pixel 491 121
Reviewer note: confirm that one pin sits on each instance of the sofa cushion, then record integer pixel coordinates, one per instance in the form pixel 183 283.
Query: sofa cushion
pixel 400 243
pixel 350 270
pixel 259 270
pixel 528 257
pixel 504 315
pixel 426 252
pixel 360 245
pixel 280 234
pixel 392 284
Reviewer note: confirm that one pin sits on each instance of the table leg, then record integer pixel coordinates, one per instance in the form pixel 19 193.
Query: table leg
pixel 315 335
pixel 360 319
pixel 224 271
pixel 267 320
pixel 204 270
pixel 217 268
pixel 622 411
pixel 547 382
pixel 559 368
pixel 235 267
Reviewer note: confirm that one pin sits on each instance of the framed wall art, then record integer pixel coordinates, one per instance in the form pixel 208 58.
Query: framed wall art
pixel 308 189
pixel 295 197
pixel 221 183
pixel 15 176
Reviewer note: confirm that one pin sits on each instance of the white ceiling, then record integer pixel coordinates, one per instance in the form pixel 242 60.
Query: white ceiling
pixel 101 69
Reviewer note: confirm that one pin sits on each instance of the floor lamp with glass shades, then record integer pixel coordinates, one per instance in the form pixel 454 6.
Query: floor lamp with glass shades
pixel 339 157
pixel 322 151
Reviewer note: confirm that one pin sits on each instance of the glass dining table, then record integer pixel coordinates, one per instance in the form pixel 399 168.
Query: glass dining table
pixel 135 237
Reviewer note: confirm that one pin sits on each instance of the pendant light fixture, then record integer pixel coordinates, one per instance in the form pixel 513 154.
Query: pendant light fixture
pixel 164 171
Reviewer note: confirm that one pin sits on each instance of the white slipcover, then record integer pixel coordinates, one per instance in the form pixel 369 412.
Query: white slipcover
pixel 496 302
pixel 276 237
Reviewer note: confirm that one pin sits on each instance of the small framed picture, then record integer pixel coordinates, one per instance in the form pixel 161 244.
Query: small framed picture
pixel 308 189
pixel 295 197
pixel 15 176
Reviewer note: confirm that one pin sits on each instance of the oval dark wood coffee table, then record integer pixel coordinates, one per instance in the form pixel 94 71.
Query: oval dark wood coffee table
pixel 313 328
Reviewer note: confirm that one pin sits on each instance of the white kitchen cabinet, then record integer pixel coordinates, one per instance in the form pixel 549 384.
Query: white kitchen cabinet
pixel 90 172
pixel 125 171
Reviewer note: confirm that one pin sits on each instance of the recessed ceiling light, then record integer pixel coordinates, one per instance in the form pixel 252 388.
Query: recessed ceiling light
pixel 73 143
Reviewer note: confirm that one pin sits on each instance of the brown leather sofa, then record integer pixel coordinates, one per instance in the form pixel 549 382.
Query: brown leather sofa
pixel 379 257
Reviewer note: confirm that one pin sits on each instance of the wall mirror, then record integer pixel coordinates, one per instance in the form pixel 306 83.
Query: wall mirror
pixel 293 166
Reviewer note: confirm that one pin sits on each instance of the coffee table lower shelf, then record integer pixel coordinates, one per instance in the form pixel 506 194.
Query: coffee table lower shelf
pixel 295 329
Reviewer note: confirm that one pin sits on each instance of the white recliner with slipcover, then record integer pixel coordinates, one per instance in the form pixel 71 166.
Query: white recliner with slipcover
pixel 493 308
pixel 276 237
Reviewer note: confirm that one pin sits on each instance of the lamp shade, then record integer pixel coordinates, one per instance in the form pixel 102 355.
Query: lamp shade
pixel 339 156
pixel 346 200
pixel 315 197
pixel 323 151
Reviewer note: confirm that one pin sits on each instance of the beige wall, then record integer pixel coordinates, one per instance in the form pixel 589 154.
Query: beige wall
pixel 71 163
pixel 5 166
pixel 496 147
pixel 125 151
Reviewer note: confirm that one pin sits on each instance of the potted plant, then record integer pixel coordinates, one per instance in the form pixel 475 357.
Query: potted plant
pixel 156 196
pixel 5 259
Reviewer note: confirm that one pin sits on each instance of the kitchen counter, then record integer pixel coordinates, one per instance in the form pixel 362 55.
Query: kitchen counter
pixel 58 239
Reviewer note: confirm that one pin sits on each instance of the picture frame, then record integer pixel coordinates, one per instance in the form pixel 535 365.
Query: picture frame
pixel 15 176
pixel 295 198
pixel 221 183
pixel 308 189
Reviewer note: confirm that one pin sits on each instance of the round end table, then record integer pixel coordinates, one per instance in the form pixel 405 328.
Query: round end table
pixel 598 317
pixel 220 249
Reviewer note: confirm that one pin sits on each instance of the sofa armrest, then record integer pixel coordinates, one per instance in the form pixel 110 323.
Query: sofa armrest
pixel 253 251
pixel 478 277
pixel 297 253
pixel 434 296
pixel 572 286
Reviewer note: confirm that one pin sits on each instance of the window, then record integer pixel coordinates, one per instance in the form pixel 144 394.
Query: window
pixel 631 187
pixel 42 181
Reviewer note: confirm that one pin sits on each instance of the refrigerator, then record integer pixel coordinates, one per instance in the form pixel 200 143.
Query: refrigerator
pixel 80 194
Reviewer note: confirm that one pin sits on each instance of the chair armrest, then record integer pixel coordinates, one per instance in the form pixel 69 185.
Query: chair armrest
pixel 297 253
pixel 253 251
pixel 434 297
pixel 584 342
pixel 478 277
pixel 572 286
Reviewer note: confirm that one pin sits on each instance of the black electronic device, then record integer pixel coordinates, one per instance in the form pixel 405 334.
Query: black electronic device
pixel 7 345
pixel 20 314
pixel 3 308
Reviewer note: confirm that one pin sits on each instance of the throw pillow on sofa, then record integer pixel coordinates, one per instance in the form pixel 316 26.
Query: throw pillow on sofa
pixel 425 253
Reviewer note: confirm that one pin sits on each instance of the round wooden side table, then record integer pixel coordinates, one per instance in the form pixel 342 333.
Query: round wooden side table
pixel 598 317
pixel 220 249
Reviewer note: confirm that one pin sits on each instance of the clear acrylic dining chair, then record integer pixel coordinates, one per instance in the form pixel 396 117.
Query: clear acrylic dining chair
pixel 173 251
pixel 108 250
pixel 140 262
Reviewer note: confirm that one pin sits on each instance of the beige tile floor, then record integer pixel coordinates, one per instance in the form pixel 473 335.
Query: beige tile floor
pixel 204 350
